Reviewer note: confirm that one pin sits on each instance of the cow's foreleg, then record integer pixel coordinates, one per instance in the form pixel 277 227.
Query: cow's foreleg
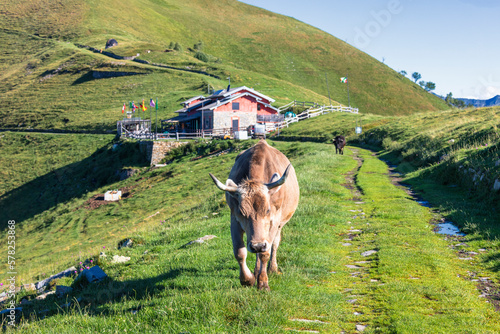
pixel 273 264
pixel 262 281
pixel 240 253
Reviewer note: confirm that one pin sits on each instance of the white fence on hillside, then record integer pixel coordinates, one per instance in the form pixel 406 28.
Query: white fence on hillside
pixel 309 113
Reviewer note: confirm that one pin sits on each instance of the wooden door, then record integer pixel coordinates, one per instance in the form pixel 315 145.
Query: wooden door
pixel 236 124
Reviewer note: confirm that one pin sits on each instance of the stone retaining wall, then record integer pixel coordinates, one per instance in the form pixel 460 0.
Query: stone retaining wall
pixel 155 151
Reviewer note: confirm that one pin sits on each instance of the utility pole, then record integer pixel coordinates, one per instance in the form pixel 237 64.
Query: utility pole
pixel 348 96
pixel 328 87
pixel 156 122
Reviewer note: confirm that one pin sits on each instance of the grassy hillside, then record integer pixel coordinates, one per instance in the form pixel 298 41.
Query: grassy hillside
pixel 47 80
pixel 437 151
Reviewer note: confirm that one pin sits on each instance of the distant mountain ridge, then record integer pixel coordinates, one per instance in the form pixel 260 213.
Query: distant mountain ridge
pixel 494 101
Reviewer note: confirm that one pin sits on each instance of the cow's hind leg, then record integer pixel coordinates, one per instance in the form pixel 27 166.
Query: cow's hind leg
pixel 240 253
pixel 273 264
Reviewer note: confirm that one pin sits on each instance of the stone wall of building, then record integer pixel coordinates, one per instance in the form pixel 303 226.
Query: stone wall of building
pixel 155 151
pixel 222 120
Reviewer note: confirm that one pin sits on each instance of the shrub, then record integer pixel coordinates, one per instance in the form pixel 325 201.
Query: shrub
pixel 178 47
pixel 202 56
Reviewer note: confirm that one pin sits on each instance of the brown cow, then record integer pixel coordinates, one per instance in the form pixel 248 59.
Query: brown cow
pixel 261 203
pixel 339 143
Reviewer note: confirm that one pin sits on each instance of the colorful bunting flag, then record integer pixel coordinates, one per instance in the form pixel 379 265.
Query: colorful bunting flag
pixel 156 103
pixel 143 106
pixel 123 109
pixel 343 79
pixel 151 103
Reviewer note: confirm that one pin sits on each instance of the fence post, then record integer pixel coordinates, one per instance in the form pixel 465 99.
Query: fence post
pixel 177 136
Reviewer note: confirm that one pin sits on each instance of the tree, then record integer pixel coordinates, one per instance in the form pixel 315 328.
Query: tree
pixel 449 98
pixel 429 85
pixel 171 45
pixel 416 76
pixel 403 73
pixel 454 102
pixel 422 83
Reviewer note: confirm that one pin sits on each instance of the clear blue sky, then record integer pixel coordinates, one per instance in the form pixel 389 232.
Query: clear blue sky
pixel 453 43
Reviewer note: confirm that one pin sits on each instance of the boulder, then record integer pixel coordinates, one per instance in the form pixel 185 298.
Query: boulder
pixel 368 253
pixel 111 42
pixel 201 240
pixel 120 259
pixel 40 286
pixel 496 186
pixel 11 314
pixel 94 274
pixel 125 243
pixel 62 290
pixel 44 295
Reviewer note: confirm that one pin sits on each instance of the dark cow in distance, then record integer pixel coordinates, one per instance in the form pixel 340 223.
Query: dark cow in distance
pixel 261 203
pixel 339 142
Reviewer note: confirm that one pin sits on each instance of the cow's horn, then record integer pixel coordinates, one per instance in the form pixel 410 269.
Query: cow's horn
pixel 281 180
pixel 222 186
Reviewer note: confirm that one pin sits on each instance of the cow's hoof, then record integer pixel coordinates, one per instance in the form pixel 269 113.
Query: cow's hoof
pixel 248 282
pixel 263 286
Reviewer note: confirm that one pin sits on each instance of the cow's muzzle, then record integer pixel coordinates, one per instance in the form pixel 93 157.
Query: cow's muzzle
pixel 259 247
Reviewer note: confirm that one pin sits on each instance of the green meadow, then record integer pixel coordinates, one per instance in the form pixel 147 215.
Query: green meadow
pixel 414 282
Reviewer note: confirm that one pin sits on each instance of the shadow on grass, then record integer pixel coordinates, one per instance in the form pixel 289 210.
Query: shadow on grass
pixel 69 182
pixel 95 298
pixel 84 78
pixel 495 259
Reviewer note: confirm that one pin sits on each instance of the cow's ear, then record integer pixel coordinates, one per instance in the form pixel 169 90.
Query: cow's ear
pixel 230 183
pixel 274 178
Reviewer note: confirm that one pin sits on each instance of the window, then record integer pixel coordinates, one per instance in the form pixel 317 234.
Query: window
pixel 258 106
pixel 236 106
